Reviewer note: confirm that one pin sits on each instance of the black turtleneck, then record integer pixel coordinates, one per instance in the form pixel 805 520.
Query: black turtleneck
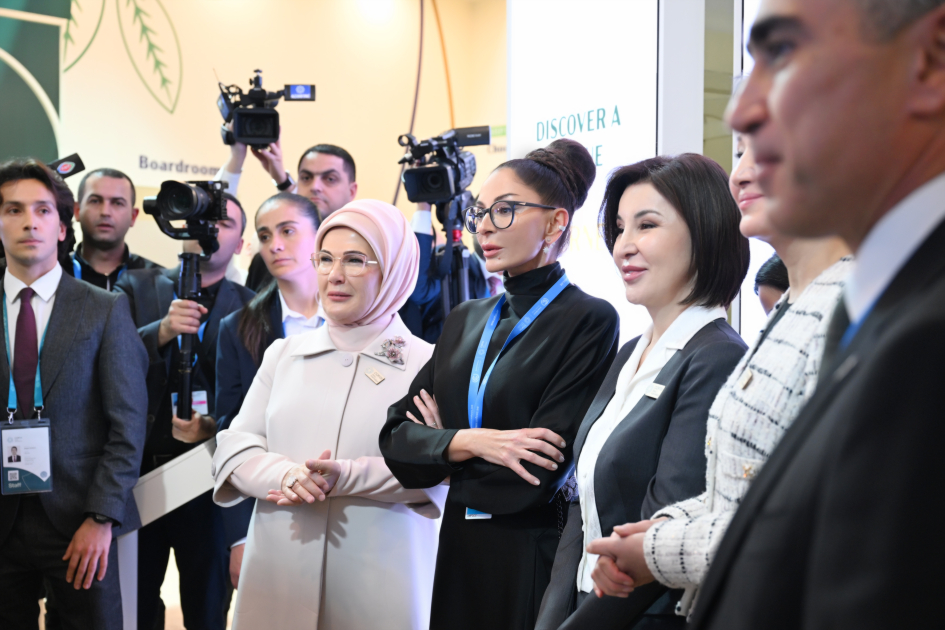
pixel 547 377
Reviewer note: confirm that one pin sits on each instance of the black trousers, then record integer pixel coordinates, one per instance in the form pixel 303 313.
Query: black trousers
pixel 33 552
pixel 195 532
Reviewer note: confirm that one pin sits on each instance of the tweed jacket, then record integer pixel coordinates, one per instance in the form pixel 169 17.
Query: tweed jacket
pixel 747 420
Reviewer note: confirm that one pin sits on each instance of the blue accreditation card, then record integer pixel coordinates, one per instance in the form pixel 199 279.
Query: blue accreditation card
pixel 476 515
pixel 25 461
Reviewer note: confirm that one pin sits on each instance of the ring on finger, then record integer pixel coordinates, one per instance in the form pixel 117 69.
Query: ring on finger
pixel 291 481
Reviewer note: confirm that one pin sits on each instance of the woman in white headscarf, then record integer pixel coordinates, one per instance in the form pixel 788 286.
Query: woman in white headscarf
pixel 336 541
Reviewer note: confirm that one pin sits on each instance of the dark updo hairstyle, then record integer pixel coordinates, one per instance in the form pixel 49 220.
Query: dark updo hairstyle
pixel 30 168
pixel 697 188
pixel 561 174
pixel 254 326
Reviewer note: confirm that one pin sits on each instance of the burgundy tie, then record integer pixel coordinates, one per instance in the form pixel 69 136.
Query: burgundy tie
pixel 25 355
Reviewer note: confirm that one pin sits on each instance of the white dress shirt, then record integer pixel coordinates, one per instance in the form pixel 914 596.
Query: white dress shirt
pixel 631 385
pixel 890 245
pixel 44 297
pixel 294 323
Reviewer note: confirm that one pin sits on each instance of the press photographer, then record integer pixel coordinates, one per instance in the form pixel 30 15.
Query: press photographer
pixel 439 173
pixel 166 324
pixel 105 209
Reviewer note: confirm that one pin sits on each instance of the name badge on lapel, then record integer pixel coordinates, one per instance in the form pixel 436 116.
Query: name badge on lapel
pixel 654 390
pixel 476 515
pixel 375 376
pixel 25 465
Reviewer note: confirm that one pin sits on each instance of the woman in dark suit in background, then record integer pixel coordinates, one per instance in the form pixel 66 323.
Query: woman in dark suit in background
pixel 503 436
pixel 672 227
pixel 286 225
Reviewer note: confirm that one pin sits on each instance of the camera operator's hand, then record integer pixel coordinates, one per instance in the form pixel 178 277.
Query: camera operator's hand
pixel 183 317
pixel 197 429
pixel 237 154
pixel 271 159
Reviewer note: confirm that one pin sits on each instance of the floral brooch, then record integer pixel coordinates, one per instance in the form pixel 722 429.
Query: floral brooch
pixel 391 350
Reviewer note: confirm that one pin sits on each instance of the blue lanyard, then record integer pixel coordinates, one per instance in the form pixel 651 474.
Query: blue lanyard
pixel 37 383
pixel 476 391
pixel 77 269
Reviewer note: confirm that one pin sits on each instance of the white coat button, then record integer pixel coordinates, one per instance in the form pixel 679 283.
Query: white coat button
pixel 346 359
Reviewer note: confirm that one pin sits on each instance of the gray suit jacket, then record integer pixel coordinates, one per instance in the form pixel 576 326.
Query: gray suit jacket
pixel 93 367
pixel 653 458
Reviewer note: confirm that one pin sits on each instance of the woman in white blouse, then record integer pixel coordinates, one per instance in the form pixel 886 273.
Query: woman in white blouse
pixel 672 227
pixel 335 540
pixel 754 408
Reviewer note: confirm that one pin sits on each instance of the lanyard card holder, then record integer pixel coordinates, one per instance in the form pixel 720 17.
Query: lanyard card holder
pixel 25 463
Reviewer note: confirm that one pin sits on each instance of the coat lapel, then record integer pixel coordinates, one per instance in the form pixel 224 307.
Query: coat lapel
pixel 60 333
pixel 606 392
pixel 227 301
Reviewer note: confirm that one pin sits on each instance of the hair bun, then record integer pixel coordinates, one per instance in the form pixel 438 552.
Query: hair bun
pixel 573 164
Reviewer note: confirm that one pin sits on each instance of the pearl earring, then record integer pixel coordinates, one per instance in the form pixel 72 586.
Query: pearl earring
pixel 561 228
pixel 547 246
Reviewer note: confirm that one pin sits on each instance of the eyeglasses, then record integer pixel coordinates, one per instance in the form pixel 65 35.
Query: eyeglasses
pixel 352 265
pixel 501 213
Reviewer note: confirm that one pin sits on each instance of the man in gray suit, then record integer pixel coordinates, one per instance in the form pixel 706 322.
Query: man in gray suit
pixel 79 347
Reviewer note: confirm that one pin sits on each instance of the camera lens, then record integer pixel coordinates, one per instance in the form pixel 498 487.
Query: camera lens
pixel 178 201
pixel 433 182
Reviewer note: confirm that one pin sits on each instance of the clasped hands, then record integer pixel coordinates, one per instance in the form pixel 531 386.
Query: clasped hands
pixel 305 484
pixel 621 566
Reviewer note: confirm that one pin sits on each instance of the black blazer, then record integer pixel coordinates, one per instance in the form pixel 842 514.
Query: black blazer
pixel 654 457
pixel 93 370
pixel 150 293
pixel 235 373
pixel 837 531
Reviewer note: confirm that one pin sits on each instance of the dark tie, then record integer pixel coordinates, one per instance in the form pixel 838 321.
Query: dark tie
pixel 25 355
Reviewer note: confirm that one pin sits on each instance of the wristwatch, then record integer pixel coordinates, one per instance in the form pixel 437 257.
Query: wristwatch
pixel 101 519
pixel 287 184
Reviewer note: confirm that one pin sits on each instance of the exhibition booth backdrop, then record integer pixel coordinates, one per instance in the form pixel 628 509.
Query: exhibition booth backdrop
pixel 132 84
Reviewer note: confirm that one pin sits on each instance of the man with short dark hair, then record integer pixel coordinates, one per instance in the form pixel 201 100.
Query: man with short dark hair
pixel 194 530
pixel 845 110
pixel 105 210
pixel 73 357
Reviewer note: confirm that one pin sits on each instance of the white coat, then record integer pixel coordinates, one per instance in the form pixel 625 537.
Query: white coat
pixel 363 558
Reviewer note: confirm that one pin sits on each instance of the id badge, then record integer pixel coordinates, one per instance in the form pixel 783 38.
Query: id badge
pixel 198 402
pixel 476 515
pixel 25 464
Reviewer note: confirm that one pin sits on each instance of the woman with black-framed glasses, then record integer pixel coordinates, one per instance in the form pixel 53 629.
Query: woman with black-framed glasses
pixel 503 396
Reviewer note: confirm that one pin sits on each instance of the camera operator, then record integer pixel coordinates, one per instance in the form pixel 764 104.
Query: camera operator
pixel 75 346
pixel 327 177
pixel 195 530
pixel 105 209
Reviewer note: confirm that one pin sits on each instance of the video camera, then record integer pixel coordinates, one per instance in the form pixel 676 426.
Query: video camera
pixel 201 205
pixel 441 170
pixel 440 175
pixel 255 119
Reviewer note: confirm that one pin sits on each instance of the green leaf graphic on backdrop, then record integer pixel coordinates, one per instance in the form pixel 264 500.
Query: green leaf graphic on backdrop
pixel 153 48
pixel 84 19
